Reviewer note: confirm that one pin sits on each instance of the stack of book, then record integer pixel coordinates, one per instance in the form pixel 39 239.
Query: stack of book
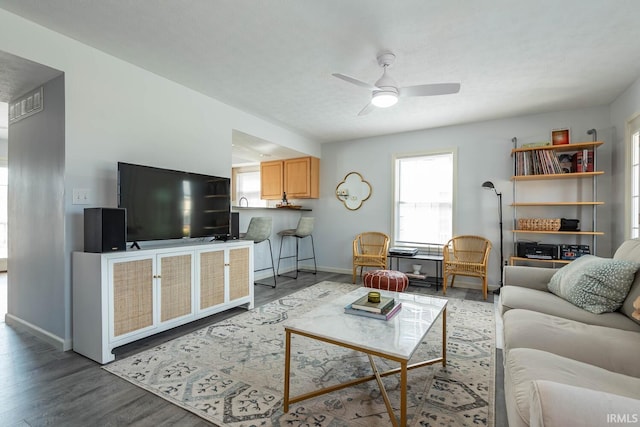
pixel 384 310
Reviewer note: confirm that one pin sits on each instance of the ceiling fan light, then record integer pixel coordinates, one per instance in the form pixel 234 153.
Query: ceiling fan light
pixel 384 99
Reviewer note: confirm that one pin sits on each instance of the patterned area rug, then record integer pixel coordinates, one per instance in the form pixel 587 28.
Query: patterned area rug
pixel 231 373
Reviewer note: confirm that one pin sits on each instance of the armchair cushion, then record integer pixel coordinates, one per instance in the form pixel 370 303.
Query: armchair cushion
pixel 598 285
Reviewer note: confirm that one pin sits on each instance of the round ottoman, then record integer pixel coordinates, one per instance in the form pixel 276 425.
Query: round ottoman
pixel 389 280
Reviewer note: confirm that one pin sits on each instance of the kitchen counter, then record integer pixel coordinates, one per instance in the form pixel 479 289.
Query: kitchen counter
pixel 285 219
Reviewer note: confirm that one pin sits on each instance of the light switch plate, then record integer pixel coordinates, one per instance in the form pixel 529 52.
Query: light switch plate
pixel 80 196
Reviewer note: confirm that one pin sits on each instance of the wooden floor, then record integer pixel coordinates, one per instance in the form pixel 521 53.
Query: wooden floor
pixel 45 387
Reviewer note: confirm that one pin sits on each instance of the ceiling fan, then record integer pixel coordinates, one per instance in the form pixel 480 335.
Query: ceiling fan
pixel 385 92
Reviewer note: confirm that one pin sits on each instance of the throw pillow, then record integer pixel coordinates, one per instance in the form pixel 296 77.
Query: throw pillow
pixel 598 285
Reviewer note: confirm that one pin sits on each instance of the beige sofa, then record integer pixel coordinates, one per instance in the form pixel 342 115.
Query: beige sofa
pixel 565 365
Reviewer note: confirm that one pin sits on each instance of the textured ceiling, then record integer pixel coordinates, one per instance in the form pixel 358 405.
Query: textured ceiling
pixel 275 58
pixel 17 76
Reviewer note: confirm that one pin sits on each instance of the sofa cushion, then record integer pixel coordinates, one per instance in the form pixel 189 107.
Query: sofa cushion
pixel 598 285
pixel 545 302
pixel 560 405
pixel 612 349
pixel 528 277
pixel 524 365
pixel 630 251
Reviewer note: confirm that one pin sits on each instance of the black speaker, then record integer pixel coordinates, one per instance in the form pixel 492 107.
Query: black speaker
pixel 235 225
pixel 105 230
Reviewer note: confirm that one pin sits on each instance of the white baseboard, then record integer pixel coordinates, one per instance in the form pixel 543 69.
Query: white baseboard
pixel 472 285
pixel 22 325
pixel 336 270
pixel 460 282
pixel 267 273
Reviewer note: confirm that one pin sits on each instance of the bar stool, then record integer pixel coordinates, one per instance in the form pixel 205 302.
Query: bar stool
pixel 259 230
pixel 304 229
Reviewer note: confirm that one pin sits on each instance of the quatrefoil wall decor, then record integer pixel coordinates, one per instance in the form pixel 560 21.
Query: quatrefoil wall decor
pixel 353 190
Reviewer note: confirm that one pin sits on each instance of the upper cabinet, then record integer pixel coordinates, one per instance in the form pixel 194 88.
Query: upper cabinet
pixel 299 178
pixel 271 180
pixel 302 178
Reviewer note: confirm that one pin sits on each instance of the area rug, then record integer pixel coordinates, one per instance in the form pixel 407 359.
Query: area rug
pixel 231 373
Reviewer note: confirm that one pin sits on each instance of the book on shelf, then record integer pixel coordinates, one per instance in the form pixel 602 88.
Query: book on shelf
pixel 385 315
pixel 536 144
pixel 537 162
pixel 579 163
pixel 364 304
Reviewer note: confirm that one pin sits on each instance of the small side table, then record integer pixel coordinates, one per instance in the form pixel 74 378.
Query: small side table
pixel 420 278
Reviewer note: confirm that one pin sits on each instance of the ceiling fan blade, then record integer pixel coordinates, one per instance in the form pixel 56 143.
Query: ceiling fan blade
pixel 431 89
pixel 354 81
pixel 367 109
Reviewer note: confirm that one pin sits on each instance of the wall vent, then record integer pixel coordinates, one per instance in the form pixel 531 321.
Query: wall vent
pixel 25 106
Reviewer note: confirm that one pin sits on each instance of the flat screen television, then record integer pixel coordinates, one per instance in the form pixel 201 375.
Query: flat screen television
pixel 164 204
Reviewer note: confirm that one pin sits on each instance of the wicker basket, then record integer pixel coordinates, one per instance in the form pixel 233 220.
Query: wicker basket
pixel 539 224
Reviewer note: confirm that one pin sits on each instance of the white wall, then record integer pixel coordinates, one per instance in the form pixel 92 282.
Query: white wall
pixel 116 111
pixel 36 216
pixel 483 155
pixel 623 109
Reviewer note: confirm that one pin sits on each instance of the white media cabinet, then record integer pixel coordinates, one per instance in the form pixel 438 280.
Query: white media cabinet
pixel 120 297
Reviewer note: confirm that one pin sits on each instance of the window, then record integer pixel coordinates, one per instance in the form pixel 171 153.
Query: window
pixel 247 185
pixel 423 199
pixel 634 194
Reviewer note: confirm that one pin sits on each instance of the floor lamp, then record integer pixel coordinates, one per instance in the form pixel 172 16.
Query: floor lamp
pixel 488 185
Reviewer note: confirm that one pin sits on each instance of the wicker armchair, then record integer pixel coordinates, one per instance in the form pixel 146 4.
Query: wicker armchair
pixel 466 256
pixel 370 250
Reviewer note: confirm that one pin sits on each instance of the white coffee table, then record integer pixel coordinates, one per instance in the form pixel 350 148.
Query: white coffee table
pixel 395 339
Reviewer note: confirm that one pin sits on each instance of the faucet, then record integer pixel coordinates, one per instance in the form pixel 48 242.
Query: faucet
pixel 240 201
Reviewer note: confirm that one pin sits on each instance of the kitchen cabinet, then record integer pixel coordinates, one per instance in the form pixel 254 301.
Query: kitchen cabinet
pixel 271 180
pixel 299 178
